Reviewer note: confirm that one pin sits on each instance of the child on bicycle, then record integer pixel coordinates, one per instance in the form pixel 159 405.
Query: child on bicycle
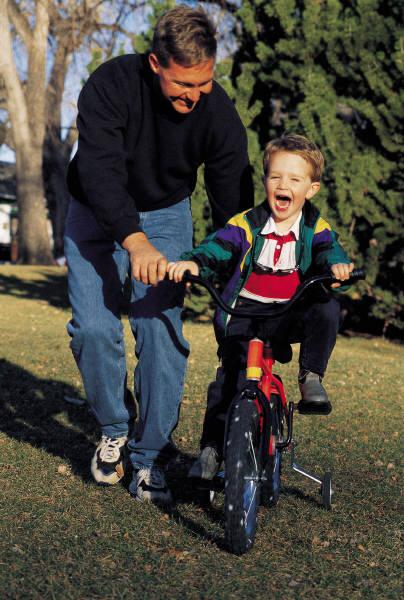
pixel 261 256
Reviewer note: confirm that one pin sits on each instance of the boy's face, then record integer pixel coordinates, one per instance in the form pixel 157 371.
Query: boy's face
pixel 288 184
pixel 183 86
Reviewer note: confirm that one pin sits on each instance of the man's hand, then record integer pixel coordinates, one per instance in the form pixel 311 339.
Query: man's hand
pixel 177 269
pixel 342 272
pixel 148 264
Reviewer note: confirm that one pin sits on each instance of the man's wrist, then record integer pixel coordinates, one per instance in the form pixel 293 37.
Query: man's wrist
pixel 132 242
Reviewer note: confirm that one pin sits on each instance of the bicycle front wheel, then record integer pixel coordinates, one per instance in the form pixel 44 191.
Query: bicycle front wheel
pixel 242 474
pixel 272 468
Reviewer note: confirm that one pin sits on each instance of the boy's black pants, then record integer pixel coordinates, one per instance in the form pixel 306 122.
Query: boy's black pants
pixel 313 323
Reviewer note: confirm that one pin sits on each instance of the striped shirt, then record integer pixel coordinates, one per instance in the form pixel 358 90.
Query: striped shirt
pixel 275 276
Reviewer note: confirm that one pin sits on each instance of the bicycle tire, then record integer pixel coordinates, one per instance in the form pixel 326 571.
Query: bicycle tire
pixel 327 491
pixel 243 454
pixel 271 483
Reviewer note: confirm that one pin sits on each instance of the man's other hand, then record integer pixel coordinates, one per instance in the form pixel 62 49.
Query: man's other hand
pixel 148 264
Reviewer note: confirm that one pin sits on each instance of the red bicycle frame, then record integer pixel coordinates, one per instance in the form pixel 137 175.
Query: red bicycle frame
pixel 260 361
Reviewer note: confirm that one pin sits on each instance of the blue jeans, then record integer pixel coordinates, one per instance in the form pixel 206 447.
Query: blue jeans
pixel 98 267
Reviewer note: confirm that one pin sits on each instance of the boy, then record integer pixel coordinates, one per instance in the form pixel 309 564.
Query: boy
pixel 263 253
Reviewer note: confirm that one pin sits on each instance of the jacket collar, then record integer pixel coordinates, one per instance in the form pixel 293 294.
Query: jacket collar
pixel 259 215
pixel 270 227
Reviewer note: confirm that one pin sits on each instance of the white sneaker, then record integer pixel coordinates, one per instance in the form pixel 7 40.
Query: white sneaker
pixel 149 485
pixel 109 460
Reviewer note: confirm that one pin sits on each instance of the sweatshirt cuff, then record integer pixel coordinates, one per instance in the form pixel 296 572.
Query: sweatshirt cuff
pixel 124 227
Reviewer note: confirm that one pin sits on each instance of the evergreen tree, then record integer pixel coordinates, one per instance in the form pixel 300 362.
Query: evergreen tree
pixel 330 70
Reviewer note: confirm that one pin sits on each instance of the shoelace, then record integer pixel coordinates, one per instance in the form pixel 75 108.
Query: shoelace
pixel 110 450
pixel 153 477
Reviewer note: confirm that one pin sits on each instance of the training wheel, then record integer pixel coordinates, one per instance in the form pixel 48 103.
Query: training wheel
pixel 326 491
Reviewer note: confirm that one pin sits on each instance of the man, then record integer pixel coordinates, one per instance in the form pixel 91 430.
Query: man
pixel 145 125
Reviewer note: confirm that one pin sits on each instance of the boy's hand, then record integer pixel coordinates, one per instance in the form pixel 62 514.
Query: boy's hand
pixel 177 269
pixel 342 272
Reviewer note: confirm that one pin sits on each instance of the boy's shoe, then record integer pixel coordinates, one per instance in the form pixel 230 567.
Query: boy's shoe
pixel 206 465
pixel 314 397
pixel 149 485
pixel 109 460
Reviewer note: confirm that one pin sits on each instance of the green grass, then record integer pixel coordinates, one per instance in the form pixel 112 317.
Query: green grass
pixel 63 537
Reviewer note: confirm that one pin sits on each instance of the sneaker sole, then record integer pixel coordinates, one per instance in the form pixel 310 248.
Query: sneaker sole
pixel 161 501
pixel 113 478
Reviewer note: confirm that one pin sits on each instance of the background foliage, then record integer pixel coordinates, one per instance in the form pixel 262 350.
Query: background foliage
pixel 330 70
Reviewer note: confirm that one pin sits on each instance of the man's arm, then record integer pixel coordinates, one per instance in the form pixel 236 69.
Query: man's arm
pixel 228 174
pixel 99 171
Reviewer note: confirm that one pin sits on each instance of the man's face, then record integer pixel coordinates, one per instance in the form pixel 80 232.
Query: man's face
pixel 183 86
pixel 288 184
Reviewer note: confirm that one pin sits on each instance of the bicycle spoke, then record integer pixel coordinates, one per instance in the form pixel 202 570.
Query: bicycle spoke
pixel 252 451
pixel 251 502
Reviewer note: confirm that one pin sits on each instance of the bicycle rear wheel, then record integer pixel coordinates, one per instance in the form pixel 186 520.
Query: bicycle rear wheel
pixel 243 459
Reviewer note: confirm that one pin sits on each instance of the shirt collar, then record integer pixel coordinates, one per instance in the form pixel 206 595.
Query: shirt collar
pixel 270 227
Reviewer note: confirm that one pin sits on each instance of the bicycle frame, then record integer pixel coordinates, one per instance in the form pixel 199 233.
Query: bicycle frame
pixel 260 361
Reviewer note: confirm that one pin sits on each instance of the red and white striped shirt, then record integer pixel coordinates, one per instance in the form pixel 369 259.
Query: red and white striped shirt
pixel 279 255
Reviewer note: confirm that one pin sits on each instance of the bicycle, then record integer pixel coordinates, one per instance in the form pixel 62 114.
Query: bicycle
pixel 259 429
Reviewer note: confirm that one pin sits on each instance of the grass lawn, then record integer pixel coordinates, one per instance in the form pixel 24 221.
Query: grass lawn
pixel 63 537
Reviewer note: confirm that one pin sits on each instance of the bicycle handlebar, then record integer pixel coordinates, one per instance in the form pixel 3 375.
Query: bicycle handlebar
pixel 281 307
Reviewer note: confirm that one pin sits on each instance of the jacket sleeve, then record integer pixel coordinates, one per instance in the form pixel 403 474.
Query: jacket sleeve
pixel 326 250
pixel 220 252
pixel 99 167
pixel 228 174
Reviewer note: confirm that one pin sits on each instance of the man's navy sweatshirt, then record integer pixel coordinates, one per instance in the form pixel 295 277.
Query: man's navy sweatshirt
pixel 136 153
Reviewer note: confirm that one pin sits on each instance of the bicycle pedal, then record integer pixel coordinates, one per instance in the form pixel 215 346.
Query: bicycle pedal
pixel 314 408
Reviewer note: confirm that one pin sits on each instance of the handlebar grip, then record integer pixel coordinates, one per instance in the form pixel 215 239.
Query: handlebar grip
pixel 357 274
pixel 189 278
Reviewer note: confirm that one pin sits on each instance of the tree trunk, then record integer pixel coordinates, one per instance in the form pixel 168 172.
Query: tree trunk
pixel 26 110
pixel 34 241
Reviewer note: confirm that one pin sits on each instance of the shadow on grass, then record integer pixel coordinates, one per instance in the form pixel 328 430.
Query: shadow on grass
pixel 51 287
pixel 31 412
pixel 312 498
pixel 185 493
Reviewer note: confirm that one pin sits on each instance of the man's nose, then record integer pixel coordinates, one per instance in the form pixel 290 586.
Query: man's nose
pixel 194 94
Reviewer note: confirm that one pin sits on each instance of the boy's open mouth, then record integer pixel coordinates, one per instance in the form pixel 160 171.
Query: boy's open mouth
pixel 282 201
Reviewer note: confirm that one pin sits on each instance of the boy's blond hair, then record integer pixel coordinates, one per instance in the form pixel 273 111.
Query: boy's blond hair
pixel 185 34
pixel 298 144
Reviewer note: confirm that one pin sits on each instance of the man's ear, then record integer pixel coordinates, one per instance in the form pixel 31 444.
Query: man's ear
pixel 154 63
pixel 314 188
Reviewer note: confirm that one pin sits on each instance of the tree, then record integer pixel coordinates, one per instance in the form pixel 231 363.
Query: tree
pixel 26 108
pixel 331 70
pixel 98 28
pixel 39 40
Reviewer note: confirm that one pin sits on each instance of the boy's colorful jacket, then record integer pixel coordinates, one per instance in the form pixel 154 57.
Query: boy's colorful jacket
pixel 231 251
